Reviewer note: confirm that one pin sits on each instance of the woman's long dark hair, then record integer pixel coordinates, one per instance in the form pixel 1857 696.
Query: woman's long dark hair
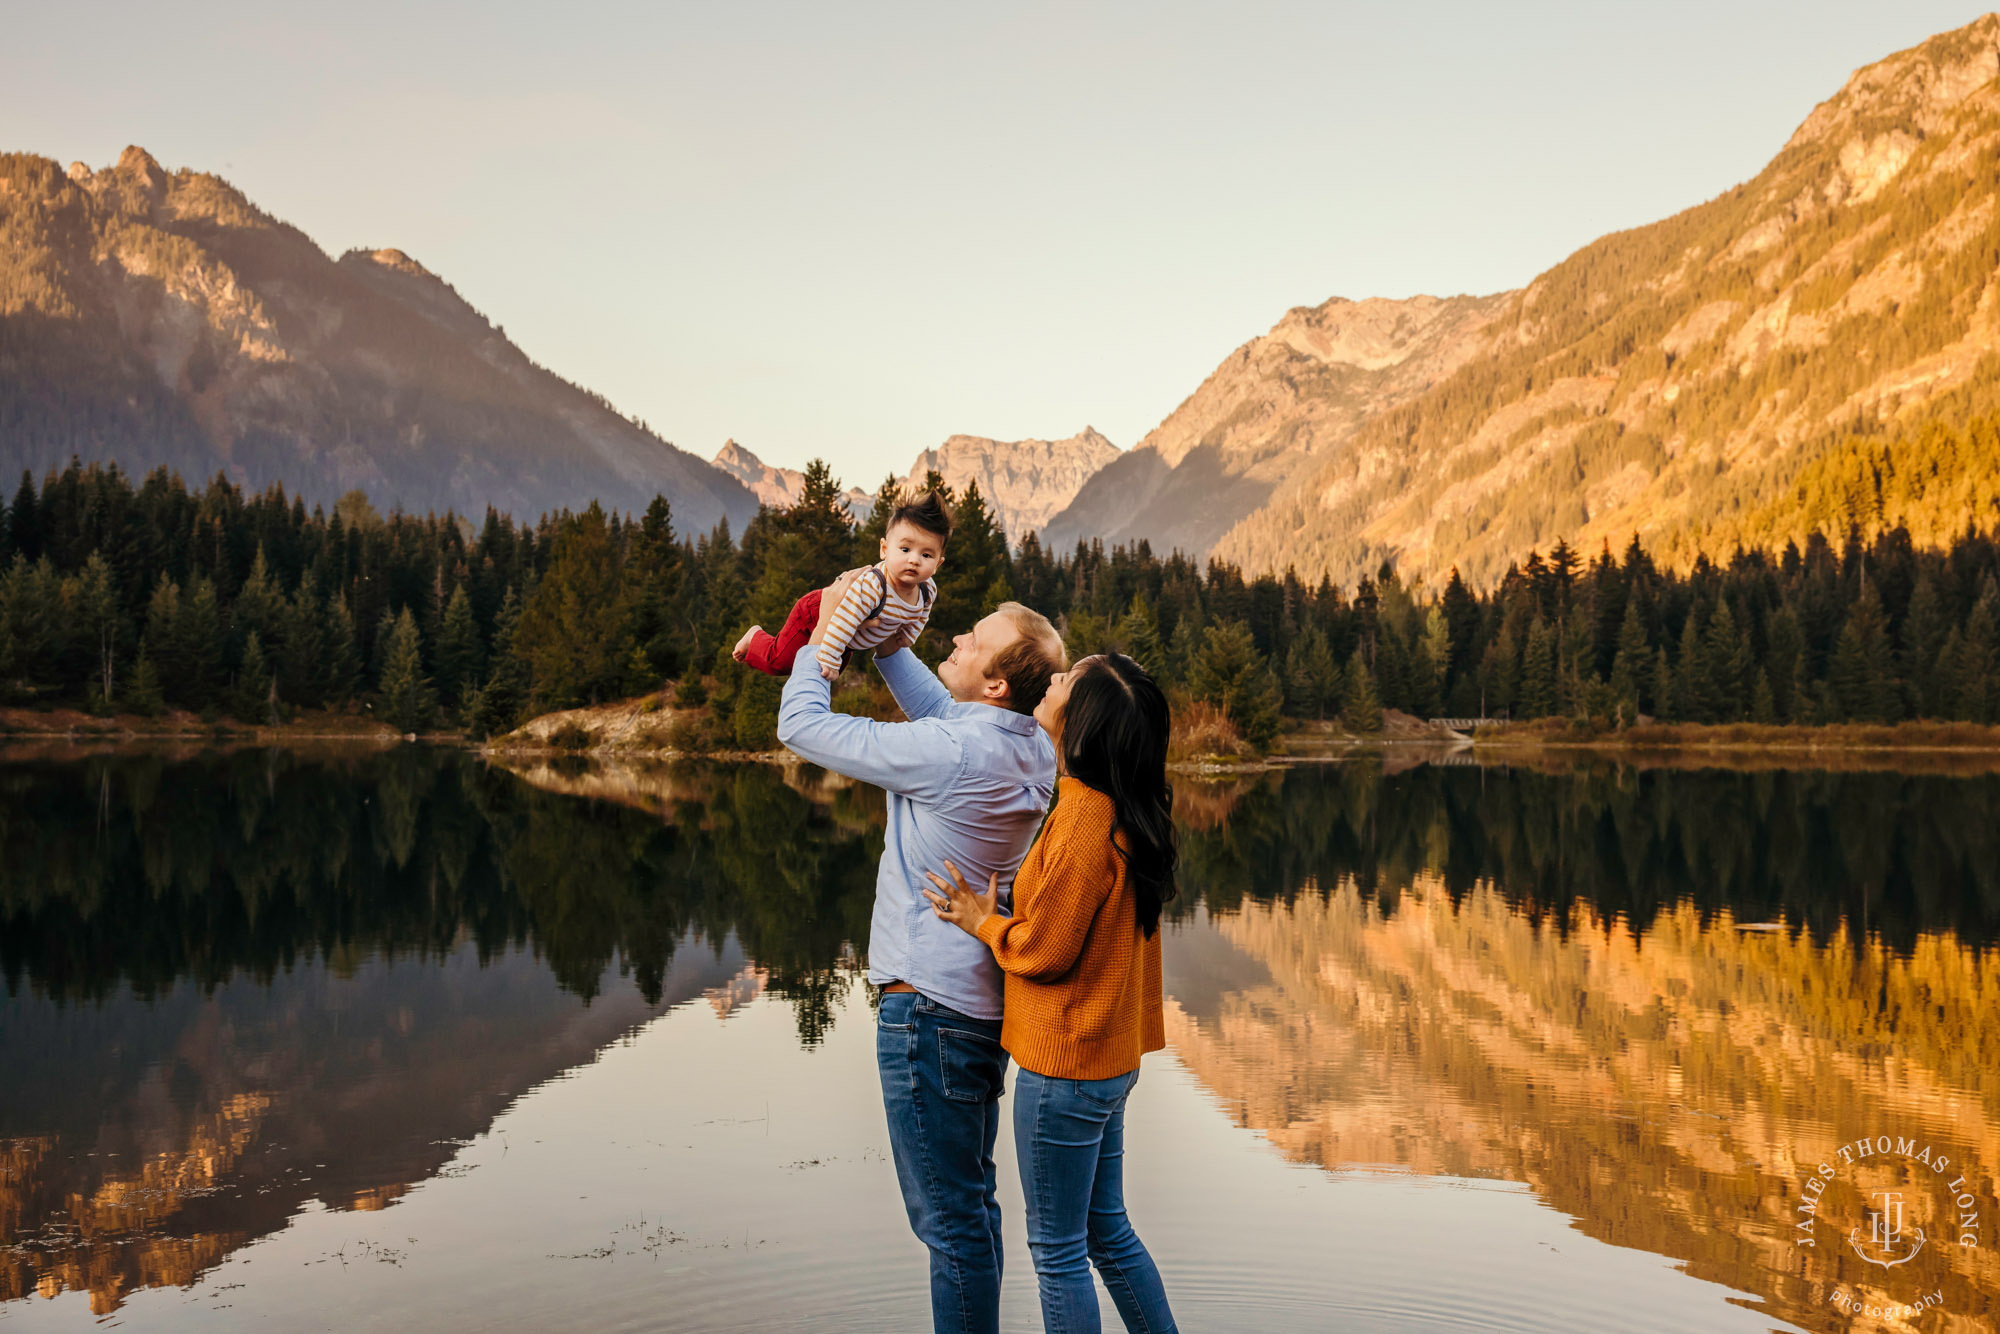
pixel 1114 738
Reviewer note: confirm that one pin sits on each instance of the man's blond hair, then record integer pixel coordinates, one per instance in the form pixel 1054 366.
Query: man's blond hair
pixel 1027 662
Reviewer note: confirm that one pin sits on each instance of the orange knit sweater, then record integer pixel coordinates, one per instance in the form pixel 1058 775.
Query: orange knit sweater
pixel 1083 983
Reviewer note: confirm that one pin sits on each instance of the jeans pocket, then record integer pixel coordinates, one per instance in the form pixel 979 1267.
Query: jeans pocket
pixel 896 1014
pixel 971 1066
pixel 1105 1092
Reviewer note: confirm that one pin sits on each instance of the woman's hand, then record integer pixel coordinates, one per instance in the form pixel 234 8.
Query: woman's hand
pixel 959 904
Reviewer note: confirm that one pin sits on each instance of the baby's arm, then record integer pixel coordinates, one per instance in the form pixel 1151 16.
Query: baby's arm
pixel 853 609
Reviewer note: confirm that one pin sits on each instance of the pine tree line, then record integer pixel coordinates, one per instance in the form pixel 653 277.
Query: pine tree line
pixel 155 596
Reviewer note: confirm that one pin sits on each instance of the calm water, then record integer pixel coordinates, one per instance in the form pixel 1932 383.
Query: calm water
pixel 409 1039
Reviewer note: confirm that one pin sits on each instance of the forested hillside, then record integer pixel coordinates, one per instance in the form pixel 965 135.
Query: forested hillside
pixel 1682 380
pixel 154 319
pixel 218 601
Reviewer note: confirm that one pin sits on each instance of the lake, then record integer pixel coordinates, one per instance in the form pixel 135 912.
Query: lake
pixel 389 1039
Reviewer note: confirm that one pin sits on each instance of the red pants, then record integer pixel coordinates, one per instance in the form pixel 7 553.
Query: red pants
pixel 774 656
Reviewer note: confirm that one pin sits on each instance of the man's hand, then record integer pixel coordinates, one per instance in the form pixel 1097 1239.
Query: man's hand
pixel 829 598
pixel 905 638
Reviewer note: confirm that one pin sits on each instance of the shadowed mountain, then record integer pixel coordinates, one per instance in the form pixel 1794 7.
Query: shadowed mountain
pixel 150 319
pixel 1278 403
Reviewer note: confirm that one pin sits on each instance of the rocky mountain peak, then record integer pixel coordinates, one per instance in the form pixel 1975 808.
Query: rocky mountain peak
pixel 398 261
pixel 140 165
pixel 198 332
pixel 1917 89
pixel 1025 482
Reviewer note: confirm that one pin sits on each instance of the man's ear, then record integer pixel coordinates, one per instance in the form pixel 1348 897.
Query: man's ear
pixel 996 690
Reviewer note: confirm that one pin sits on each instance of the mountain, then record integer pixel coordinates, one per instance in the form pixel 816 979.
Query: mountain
pixel 1677 381
pixel 778 487
pixel 149 318
pixel 1267 412
pixel 1024 481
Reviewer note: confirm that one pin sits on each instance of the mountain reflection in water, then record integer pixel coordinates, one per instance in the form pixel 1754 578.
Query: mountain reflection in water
pixel 241 983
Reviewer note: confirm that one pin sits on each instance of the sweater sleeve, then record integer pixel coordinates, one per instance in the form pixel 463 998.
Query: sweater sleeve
pixel 1057 895
pixel 854 608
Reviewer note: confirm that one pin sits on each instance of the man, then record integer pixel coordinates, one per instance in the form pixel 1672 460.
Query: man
pixel 969 778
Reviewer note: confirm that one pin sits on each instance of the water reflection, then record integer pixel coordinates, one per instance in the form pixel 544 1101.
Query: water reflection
pixel 1545 979
pixel 240 983
pixel 248 981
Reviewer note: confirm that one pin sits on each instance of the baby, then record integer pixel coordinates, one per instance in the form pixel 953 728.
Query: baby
pixel 885 602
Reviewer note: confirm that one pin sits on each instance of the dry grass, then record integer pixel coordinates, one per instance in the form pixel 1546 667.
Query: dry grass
pixel 1201 731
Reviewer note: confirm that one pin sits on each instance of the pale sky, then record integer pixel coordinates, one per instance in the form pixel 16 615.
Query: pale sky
pixel 850 230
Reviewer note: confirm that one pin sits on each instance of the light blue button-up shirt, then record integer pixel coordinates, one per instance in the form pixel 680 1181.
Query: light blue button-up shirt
pixel 967 783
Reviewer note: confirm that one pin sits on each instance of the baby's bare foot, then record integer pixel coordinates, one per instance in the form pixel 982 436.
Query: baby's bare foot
pixel 742 649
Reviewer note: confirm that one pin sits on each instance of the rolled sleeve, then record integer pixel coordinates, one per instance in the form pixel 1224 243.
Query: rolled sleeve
pixel 917 690
pixel 919 759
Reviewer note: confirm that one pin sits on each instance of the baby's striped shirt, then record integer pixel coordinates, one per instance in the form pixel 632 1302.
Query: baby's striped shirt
pixel 851 627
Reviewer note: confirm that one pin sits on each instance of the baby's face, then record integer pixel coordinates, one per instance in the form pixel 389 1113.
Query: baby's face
pixel 911 555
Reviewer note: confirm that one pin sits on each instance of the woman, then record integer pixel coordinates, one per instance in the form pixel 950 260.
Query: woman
pixel 1082 958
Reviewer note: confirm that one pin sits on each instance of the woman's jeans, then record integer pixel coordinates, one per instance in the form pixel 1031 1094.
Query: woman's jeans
pixel 942 1076
pixel 1070 1135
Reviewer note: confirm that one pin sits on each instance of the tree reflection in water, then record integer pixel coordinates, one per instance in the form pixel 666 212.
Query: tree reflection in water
pixel 249 980
pixel 1542 978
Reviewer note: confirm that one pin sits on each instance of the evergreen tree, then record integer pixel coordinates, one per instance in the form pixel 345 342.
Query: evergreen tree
pixel 1631 682
pixel 1432 662
pixel 252 700
pixel 1577 677
pixel 820 521
pixel 1138 634
pixel 460 655
pixel 1763 709
pixel 142 692
pixel 98 620
pixel 1925 626
pixel 407 702
pixel 868 536
pixel 200 631
pixel 1229 673
pixel 24 529
pixel 1538 671
pixel 496 706
pixel 756 710
pixel 1784 659
pixel 573 627
pixel 259 606
pixel 305 651
pixel 1862 674
pixel 1313 683
pixel 1461 615
pixel 342 655
pixel 1361 707
pixel 1975 680
pixel 655 580
pixel 1723 668
pixel 1686 693
pixel 32 621
pixel 163 637
pixel 975 569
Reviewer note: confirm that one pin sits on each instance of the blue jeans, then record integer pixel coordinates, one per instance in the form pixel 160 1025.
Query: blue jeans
pixel 942 1076
pixel 1070 1134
